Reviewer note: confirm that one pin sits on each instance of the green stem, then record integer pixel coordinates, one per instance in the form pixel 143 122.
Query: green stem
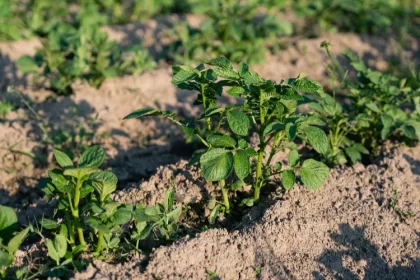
pixel 203 97
pixel 76 212
pixel 100 242
pixel 258 175
pixel 222 185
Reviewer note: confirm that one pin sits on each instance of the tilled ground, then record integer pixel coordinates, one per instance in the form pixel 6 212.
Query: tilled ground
pixel 345 230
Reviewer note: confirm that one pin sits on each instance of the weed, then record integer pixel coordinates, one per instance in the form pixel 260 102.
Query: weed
pixel 402 214
pixel 228 158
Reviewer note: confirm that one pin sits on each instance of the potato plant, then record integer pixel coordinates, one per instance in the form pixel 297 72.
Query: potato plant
pixel 378 107
pixel 268 109
pixel 86 54
pixel 10 238
pixel 232 29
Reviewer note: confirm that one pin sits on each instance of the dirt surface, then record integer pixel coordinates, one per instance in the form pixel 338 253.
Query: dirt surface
pixel 346 230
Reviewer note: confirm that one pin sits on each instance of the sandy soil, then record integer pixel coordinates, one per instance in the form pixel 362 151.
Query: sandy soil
pixel 346 230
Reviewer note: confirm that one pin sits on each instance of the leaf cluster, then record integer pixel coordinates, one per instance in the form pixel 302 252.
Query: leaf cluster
pixel 10 238
pixel 231 29
pixel 86 210
pixel 378 106
pixel 161 219
pixel 86 54
pixel 268 108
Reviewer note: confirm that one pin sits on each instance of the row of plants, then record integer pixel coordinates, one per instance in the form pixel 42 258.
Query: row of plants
pixel 37 17
pixel 238 144
pixel 74 48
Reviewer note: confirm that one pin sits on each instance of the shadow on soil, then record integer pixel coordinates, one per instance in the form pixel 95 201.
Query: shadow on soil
pixel 360 259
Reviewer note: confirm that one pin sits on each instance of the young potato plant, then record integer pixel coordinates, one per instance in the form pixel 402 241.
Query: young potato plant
pixel 83 53
pixel 269 108
pixel 10 238
pixel 232 29
pixel 378 107
pixel 85 181
pixel 161 219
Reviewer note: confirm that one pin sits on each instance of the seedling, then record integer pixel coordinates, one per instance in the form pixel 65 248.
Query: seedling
pixel 10 238
pixel 271 110
pixel 162 219
pixel 84 181
pixel 402 214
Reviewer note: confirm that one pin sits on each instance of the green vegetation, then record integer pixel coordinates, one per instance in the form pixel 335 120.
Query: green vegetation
pixel 85 54
pixel 269 108
pixel 232 29
pixel 377 107
pixel 10 238
pixel 88 219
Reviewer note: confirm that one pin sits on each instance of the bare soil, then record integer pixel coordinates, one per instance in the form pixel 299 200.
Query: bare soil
pixel 345 230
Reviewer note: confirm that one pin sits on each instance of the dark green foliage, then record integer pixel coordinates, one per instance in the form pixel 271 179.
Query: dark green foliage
pixel 269 110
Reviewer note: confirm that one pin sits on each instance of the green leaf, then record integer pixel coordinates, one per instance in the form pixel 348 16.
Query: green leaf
pixel 27 64
pixel 169 199
pixel 237 185
pixel 238 122
pixel 175 214
pixel 288 93
pixel 288 179
pixel 273 127
pixel 251 152
pixel 57 249
pixel 122 216
pixel 305 85
pixel 294 158
pixel 236 91
pixel 93 157
pixel 79 172
pixel 105 183
pixel 214 214
pixel 17 240
pixel 49 224
pixel 59 181
pixel 221 141
pixel 290 131
pixel 241 164
pixel 372 106
pixel 409 131
pixel 144 112
pixel 222 62
pixel 313 173
pixel 183 74
pixel 62 159
pixel 8 223
pixel 216 164
pixel 317 138
pixel 5 260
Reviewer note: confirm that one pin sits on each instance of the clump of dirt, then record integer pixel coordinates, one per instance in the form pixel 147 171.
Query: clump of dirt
pixel 348 229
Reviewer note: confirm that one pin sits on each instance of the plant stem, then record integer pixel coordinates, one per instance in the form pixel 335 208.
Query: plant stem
pixel 99 244
pixel 76 212
pixel 258 174
pixel 203 97
pixel 222 185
